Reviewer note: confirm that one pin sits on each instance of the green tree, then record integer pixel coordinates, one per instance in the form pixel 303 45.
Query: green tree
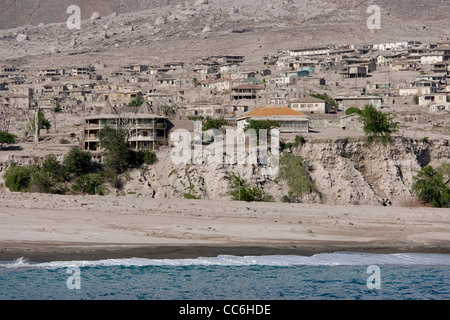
pixel 139 101
pixel 429 186
pixel 7 138
pixel 77 162
pixel 118 155
pixel 44 123
pixel 261 125
pixel 54 168
pixel 213 124
pixel 378 126
pixel 330 101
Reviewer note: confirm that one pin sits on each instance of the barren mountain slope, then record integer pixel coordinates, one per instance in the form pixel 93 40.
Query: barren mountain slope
pixel 176 30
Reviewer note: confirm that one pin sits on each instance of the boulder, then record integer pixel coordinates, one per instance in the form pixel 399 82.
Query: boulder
pixel 22 37
pixel 95 16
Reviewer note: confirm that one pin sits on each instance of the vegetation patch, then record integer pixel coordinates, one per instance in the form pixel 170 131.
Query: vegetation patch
pixel 430 187
pixel 293 171
pixel 241 190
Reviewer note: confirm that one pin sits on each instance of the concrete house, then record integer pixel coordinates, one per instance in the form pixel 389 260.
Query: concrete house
pixel 353 71
pixel 309 105
pixel 429 99
pixel 246 91
pixel 312 51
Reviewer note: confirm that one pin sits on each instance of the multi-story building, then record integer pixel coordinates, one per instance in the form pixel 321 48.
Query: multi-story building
pixel 143 129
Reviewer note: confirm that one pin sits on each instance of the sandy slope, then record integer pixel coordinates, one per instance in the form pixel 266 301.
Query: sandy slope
pixel 49 227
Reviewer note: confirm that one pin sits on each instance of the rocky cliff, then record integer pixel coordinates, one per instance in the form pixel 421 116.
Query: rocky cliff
pixel 343 171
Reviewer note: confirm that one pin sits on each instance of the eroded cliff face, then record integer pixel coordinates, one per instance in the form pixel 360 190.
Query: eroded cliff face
pixel 344 171
pixel 348 171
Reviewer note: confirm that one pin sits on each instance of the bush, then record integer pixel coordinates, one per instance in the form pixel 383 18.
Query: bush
pixel 243 191
pixel 7 138
pixel 42 182
pixel 139 101
pixel 190 196
pixel 77 162
pixel 299 139
pixel 429 186
pixel 150 157
pixel 353 110
pixel 64 141
pixel 18 178
pixel 90 184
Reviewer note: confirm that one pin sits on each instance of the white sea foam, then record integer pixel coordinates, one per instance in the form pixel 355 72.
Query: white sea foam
pixel 324 259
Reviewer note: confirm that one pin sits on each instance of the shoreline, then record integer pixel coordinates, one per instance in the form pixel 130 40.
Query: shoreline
pixel 45 228
pixel 50 252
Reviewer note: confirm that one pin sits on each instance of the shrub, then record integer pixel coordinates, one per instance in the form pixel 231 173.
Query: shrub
pixel 139 101
pixel 299 139
pixel 243 191
pixel 77 162
pixel 150 157
pixel 146 157
pixel 7 138
pixel 42 182
pixel 190 196
pixel 17 178
pixel 64 141
pixel 429 186
pixel 90 183
pixel 353 110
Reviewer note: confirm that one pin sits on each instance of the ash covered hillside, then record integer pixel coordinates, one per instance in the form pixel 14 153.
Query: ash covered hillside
pixel 144 31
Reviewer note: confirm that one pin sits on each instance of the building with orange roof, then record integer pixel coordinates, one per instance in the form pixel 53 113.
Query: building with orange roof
pixel 290 121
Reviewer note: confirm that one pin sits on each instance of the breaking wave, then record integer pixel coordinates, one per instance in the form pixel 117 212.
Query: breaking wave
pixel 324 259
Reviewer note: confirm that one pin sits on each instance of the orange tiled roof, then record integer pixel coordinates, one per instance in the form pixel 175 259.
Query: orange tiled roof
pixel 273 111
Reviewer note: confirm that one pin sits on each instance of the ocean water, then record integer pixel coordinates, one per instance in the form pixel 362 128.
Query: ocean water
pixel 348 276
